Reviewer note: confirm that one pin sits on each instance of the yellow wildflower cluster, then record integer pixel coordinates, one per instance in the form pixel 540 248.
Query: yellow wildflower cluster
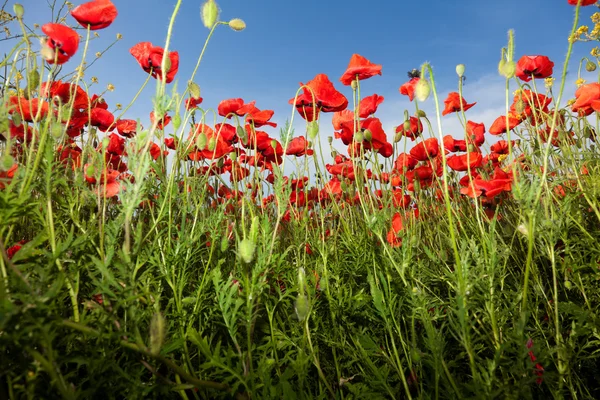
pixel 549 82
pixel 595 52
pixel 579 82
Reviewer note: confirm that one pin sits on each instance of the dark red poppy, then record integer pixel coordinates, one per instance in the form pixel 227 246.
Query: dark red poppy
pixel 318 95
pixel 63 40
pixel 298 147
pixel 150 59
pixel 453 103
pixel 405 161
pixel 126 127
pixel 164 121
pixel 538 67
pixel 97 14
pixel 408 88
pixel 12 250
pixel 116 144
pixel 369 104
pixel 361 68
pixel 63 92
pixel 171 143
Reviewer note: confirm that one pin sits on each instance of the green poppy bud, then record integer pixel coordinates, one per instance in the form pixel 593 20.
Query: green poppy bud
pixel 176 121
pixel 209 13
pixel 274 144
pixel 460 70
pixel 246 250
pixel 359 137
pixel 194 89
pixel 241 133
pixel 590 66
pixel 6 162
pixel 33 79
pixel 233 156
pixel 421 114
pixel 201 140
pixel 301 307
pixel 368 135
pixel 237 24
pixel 224 244
pixel 19 11
pixel 313 130
pixel 507 68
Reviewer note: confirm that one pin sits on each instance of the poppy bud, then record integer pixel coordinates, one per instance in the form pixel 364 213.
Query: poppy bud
pixel 359 137
pixel 201 141
pixel 421 114
pixel 212 143
pixel 301 307
pixel 313 129
pixel 523 229
pixel 56 130
pixel 19 11
pixel 354 84
pixel 220 161
pixel 176 121
pixel 246 250
pixel 16 119
pixel 398 137
pixel 590 66
pixel 471 148
pixel 6 162
pixel 422 89
pixel 233 156
pixel 568 285
pixel 520 106
pixel 209 13
pixel 368 135
pixel 507 68
pixel 157 332
pixel 241 133
pixel 274 144
pixel 329 139
pixel 406 126
pixel 194 89
pixel 460 70
pixel 237 24
pixel 224 244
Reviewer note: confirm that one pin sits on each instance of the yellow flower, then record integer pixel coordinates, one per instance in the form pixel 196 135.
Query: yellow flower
pixel 579 82
pixel 98 54
pixel 570 102
pixel 595 52
pixel 119 36
pixel 19 76
pixel 96 34
pixel 595 18
pixel 110 87
pixel 94 79
pixel 548 82
pixel 119 106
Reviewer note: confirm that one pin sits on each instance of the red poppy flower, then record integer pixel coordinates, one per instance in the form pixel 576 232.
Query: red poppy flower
pixel 369 104
pixel 7 176
pixel 171 143
pixel 475 133
pixel 97 14
pixel 465 161
pixel 164 121
pixel 453 103
pixel 62 92
pixel 127 127
pixel 405 161
pixel 229 107
pixel 108 186
pixel 28 109
pixel 298 147
pixel 416 128
pixel 326 98
pixel 116 144
pixel 102 119
pixel 585 95
pixel 361 68
pixel 582 3
pixel 150 59
pixel 537 66
pixel 63 40
pixel 392 235
pixel 12 250
pixel 193 102
pixel 408 88
pixel 340 117
pixel 453 145
pixel 260 117
pixel 429 148
pixel 499 125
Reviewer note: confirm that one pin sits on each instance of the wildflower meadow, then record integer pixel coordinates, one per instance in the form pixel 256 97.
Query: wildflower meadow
pixel 213 253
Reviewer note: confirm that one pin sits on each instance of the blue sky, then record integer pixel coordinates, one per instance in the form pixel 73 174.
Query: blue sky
pixel 288 42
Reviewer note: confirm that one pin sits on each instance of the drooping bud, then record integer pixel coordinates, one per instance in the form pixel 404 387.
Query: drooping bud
pixel 368 135
pixel 507 68
pixel 422 89
pixel 33 79
pixel 590 66
pixel 233 156
pixel 421 114
pixel 460 70
pixel 194 89
pixel 237 24
pixel 359 137
pixel 212 144
pixel 201 141
pixel 209 13
pixel 313 130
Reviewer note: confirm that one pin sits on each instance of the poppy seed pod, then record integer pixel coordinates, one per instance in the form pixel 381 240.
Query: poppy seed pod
pixel 368 135
pixel 460 70
pixel 209 13
pixel 237 24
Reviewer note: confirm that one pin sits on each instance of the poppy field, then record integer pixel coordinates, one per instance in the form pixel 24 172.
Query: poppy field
pixel 215 254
